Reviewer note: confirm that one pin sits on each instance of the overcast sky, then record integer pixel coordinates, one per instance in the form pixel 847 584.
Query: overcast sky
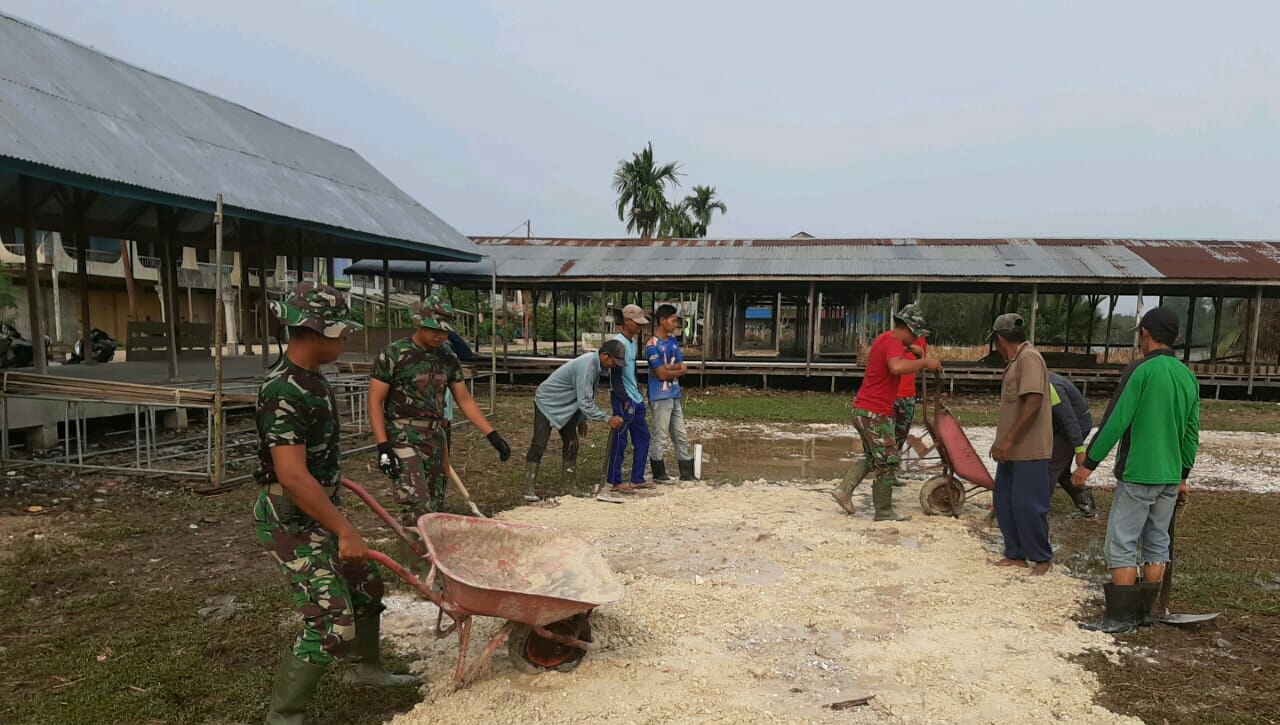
pixel 1148 119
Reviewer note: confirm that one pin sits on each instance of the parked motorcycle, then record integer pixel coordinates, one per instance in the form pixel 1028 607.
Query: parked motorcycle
pixel 102 345
pixel 15 350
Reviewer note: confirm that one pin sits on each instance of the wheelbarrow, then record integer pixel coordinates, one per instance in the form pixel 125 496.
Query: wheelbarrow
pixel 963 471
pixel 545 584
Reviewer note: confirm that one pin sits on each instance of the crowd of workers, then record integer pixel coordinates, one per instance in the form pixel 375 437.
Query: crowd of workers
pixel 416 382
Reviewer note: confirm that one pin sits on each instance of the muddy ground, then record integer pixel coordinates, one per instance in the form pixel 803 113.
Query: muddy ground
pixel 111 593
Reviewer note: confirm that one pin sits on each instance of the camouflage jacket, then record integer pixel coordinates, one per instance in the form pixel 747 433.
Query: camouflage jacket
pixel 296 407
pixel 418 379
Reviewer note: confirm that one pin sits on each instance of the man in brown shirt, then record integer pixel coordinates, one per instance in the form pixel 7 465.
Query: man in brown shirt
pixel 1023 447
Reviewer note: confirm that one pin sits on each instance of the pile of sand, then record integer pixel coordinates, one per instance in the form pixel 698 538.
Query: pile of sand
pixel 764 603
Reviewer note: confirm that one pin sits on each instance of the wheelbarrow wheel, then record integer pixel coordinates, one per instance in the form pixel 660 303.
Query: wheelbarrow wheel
pixel 534 655
pixel 942 496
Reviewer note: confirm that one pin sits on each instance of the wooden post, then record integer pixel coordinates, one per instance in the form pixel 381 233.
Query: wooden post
pixel 1138 333
pixel 1191 327
pixel 1071 309
pixel 506 359
pixel 219 449
pixel 555 331
pixel 576 334
pixel 82 276
pixel 31 262
pixel 386 295
pixel 1035 309
pixel 169 267
pixel 264 310
pixel 532 330
pixel 1253 337
pixel 812 336
pixel 1217 329
pixel 705 338
pixel 330 273
pixel 243 297
pixel 1111 312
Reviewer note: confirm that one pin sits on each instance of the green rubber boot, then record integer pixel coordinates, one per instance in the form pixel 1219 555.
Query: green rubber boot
pixel 843 493
pixel 367 668
pixel 882 498
pixel 295 685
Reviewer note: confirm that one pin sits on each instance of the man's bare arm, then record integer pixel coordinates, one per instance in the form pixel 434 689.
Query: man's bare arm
pixel 377 419
pixel 290 464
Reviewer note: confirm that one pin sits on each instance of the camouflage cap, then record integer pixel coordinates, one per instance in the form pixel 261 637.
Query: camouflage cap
pixel 913 317
pixel 433 314
pixel 316 307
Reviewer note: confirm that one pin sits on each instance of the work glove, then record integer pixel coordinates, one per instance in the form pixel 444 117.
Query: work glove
pixel 499 445
pixel 388 461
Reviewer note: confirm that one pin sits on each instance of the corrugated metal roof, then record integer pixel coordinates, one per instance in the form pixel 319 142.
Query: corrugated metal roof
pixel 74 109
pixel 1066 259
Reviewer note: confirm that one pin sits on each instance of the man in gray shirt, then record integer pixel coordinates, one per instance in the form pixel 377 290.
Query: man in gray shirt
pixel 566 401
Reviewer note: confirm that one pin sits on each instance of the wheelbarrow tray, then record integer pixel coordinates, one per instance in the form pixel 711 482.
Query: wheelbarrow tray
pixel 528 574
pixel 956 451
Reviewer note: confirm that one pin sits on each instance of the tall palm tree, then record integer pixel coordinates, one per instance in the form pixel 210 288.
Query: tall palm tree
pixel 701 203
pixel 676 222
pixel 641 187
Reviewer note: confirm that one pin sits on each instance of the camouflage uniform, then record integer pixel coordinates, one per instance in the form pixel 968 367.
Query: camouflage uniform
pixel 417 425
pixel 296 407
pixel 879 447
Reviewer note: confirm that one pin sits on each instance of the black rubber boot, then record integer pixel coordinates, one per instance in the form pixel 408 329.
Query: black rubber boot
pixel 659 469
pixel 1088 508
pixel 1147 613
pixel 1121 615
pixel 686 470
pixel 530 478
pixel 295 685
pixel 368 669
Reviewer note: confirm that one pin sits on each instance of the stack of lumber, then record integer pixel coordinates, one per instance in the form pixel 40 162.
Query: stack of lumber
pixel 109 391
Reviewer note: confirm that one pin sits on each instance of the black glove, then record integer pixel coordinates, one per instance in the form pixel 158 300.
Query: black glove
pixel 499 445
pixel 388 461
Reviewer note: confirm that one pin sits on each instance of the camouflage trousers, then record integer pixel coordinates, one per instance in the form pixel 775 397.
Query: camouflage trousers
pixel 329 594
pixel 879 446
pixel 904 413
pixel 420 487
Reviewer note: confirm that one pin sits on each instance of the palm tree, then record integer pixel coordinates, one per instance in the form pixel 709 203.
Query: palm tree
pixel 701 203
pixel 641 187
pixel 676 222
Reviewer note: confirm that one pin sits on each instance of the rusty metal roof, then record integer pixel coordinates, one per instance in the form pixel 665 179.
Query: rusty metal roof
pixel 1032 259
pixel 70 114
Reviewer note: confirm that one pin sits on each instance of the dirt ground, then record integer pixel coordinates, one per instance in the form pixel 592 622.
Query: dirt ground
pixel 749 597
pixel 763 603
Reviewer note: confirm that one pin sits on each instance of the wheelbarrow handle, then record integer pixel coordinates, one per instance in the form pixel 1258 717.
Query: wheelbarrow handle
pixel 423 587
pixel 386 517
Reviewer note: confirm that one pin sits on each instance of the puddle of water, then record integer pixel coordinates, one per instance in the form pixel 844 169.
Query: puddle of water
pixel 749 455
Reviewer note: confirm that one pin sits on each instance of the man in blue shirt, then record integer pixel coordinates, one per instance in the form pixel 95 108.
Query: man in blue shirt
pixel 666 367
pixel 628 404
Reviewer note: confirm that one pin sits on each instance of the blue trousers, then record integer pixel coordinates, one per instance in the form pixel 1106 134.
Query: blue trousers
pixel 637 428
pixel 1022 509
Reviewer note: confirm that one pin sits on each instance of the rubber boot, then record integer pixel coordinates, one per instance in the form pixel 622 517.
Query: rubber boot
pixel 367 668
pixel 659 469
pixel 882 497
pixel 1084 502
pixel 843 493
pixel 295 685
pixel 530 478
pixel 686 470
pixel 1147 613
pixel 1121 615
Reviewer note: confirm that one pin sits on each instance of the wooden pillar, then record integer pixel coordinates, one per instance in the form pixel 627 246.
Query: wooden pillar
pixel 1138 333
pixel 169 267
pixel 1111 312
pixel 811 335
pixel 1191 326
pixel 245 318
pixel 1071 309
pixel 1217 329
pixel 386 295
pixel 555 331
pixel 705 338
pixel 506 360
pixel 330 278
pixel 32 271
pixel 1253 336
pixel 82 277
pixel 264 306
pixel 532 332
pixel 576 334
pixel 1035 309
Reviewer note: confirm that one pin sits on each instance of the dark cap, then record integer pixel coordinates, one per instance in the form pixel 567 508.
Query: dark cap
pixel 613 349
pixel 665 311
pixel 1162 323
pixel 1006 323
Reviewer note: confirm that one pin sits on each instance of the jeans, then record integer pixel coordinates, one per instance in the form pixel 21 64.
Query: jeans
pixel 1022 497
pixel 668 426
pixel 635 426
pixel 1140 514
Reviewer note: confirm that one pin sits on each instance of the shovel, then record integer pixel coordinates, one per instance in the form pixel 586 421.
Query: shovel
pixel 1162 605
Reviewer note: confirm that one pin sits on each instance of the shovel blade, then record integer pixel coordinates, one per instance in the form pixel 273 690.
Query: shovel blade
pixel 1185 619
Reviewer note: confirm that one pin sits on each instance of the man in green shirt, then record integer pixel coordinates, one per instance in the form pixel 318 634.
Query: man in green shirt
pixel 1155 417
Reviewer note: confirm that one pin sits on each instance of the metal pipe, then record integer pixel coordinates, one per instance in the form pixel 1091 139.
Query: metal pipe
pixel 493 335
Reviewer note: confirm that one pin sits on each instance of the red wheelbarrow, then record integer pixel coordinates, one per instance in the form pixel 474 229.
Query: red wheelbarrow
pixel 963 471
pixel 544 583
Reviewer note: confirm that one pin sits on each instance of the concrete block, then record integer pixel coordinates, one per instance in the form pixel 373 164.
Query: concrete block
pixel 175 419
pixel 40 437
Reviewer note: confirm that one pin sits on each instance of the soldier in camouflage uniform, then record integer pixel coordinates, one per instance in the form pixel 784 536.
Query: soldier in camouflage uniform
pixel 407 410
pixel 323 557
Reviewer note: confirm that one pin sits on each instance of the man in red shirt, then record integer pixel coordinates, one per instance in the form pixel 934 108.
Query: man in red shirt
pixel 873 409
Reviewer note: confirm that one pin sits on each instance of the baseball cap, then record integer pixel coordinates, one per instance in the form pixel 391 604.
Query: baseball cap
pixel 613 349
pixel 634 313
pixel 433 314
pixel 1162 323
pixel 1008 322
pixel 316 307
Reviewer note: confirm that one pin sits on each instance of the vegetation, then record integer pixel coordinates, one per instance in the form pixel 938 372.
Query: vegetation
pixel 641 185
